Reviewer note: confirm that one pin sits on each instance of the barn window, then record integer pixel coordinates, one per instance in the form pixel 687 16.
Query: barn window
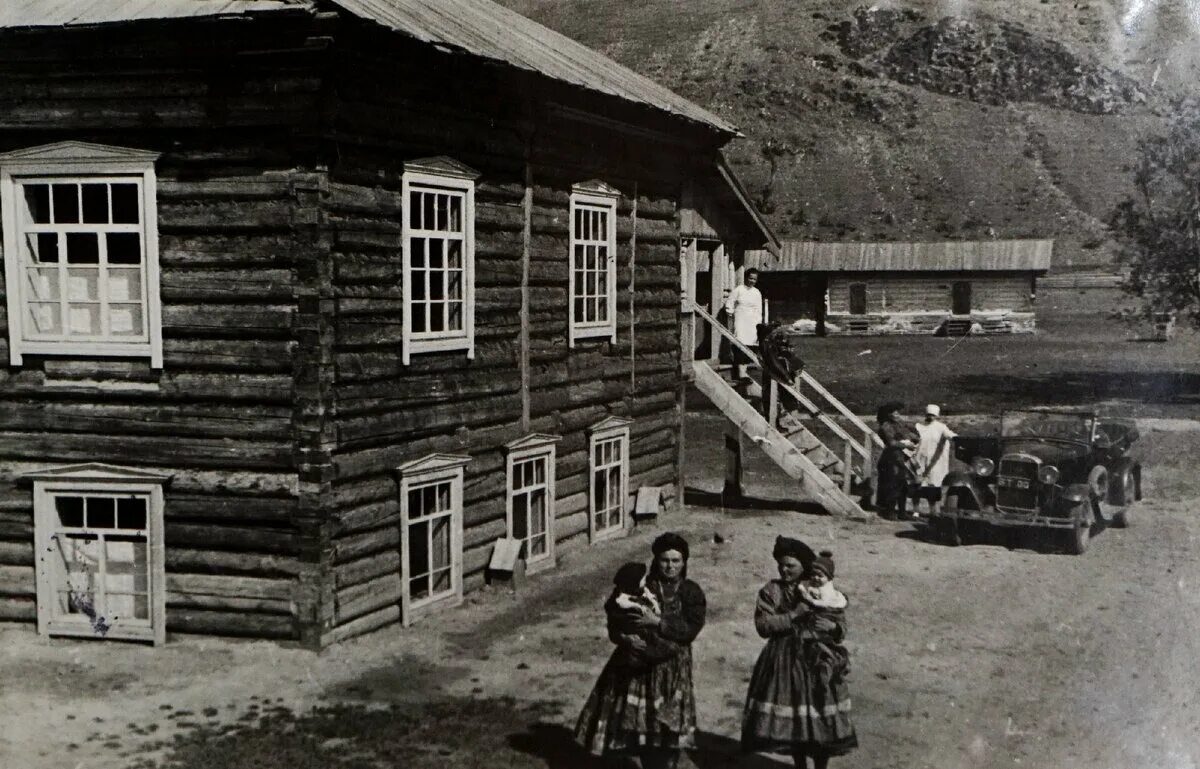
pixel 609 448
pixel 100 532
pixel 431 502
pixel 593 274
pixel 439 257
pixel 531 498
pixel 81 251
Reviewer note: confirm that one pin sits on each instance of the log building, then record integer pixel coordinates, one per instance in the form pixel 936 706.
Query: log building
pixel 953 287
pixel 306 303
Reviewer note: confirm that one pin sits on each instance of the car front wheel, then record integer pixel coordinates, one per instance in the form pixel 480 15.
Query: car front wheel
pixel 1079 535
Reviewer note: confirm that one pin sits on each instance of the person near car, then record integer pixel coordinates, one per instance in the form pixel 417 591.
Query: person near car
pixel 899 438
pixel 932 456
pixel 744 309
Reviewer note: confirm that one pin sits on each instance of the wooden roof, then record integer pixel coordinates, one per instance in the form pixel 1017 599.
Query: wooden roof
pixel 479 28
pixel 949 256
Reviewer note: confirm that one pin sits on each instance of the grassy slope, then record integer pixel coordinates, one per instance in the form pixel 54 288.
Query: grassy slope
pixel 867 157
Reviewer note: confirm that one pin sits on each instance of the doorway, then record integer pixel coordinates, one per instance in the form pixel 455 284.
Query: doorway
pixel 960 297
pixel 858 298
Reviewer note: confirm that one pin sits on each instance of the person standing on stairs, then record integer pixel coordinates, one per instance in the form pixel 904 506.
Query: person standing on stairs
pixel 744 308
pixel 899 438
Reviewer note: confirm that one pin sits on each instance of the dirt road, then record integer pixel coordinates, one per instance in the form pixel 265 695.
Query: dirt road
pixel 977 656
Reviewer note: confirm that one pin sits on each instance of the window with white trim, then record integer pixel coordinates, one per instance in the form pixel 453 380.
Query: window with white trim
pixel 609 487
pixel 100 532
pixel 593 274
pixel 439 257
pixel 531 497
pixel 81 251
pixel 431 535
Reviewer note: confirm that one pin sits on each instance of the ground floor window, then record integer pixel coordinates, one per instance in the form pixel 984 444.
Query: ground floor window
pixel 531 498
pixel 100 532
pixel 609 449
pixel 431 536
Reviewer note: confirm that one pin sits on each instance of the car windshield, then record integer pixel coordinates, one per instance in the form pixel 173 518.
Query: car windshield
pixel 1048 425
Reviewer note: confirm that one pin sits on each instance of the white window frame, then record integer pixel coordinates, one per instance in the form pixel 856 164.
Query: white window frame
pixel 76 163
pixel 430 470
pixel 448 176
pixel 96 479
pixel 534 447
pixel 593 195
pixel 612 428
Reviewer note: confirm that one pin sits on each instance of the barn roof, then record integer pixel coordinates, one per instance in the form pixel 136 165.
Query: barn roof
pixel 956 256
pixel 479 28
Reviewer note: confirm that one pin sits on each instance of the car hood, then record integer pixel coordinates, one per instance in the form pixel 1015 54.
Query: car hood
pixel 1050 452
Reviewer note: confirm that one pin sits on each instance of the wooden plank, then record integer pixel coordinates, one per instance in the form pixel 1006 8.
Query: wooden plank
pixel 389 615
pixel 230 623
pixel 790 459
pixel 232 586
pixel 21 609
pixel 525 296
pixel 17 581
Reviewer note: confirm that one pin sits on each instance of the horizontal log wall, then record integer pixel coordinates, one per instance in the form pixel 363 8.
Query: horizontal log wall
pixel 931 292
pixel 388 413
pixel 230 120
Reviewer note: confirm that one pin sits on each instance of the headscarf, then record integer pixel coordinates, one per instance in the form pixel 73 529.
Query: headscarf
pixel 884 414
pixel 786 546
pixel 670 541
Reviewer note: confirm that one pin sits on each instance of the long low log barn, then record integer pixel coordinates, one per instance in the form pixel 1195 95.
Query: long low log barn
pixel 308 303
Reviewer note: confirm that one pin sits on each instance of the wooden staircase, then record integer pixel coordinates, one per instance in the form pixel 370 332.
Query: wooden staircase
pixel 798 441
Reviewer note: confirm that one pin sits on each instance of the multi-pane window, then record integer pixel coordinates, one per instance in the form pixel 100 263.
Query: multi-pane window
pixel 81 258
pixel 430 554
pixel 593 265
pixel 609 448
pixel 101 570
pixel 431 533
pixel 439 245
pixel 531 498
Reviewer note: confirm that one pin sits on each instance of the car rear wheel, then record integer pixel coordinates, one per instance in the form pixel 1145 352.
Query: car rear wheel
pixel 1080 534
pixel 1120 517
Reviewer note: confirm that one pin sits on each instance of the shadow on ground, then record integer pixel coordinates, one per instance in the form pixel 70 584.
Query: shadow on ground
pixel 460 733
pixel 751 505
pixel 555 745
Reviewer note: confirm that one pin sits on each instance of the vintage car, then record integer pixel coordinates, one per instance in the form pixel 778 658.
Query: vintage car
pixel 1059 470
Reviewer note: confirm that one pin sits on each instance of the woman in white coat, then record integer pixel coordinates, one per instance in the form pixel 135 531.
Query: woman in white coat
pixel 744 308
pixel 932 456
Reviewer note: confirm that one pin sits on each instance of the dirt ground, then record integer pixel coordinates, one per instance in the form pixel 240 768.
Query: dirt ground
pixel 987 655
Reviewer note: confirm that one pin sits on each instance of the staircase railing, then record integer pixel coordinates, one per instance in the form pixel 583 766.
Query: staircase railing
pixel 864 451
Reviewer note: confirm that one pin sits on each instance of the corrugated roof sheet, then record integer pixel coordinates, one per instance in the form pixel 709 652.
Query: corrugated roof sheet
pixel 70 13
pixel 478 27
pixel 912 257
pixel 491 31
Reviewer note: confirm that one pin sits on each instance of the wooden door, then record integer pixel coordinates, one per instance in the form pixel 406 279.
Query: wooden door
pixel 858 298
pixel 960 297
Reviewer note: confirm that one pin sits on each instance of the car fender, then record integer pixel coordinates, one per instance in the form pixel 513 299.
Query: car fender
pixel 958 480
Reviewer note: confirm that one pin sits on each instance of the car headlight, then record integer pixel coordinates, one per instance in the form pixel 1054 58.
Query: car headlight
pixel 983 466
pixel 1048 475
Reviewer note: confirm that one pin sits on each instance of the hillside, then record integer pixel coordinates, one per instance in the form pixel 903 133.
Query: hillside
pixel 917 120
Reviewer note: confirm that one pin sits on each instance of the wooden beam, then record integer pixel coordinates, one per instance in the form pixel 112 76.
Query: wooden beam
pixel 526 234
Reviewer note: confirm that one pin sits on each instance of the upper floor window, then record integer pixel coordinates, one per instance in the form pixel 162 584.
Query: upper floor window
pixel 81 251
pixel 439 257
pixel 593 274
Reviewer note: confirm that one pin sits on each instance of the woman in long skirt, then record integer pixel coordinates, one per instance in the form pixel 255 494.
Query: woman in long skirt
pixel 892 479
pixel 649 710
pixel 796 704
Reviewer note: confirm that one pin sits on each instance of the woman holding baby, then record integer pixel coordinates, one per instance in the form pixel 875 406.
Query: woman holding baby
pixel 798 702
pixel 644 703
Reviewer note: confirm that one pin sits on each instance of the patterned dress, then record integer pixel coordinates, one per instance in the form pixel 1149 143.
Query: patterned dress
pixel 798 699
pixel 635 707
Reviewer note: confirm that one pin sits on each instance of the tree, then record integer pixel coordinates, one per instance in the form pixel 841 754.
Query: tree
pixel 1159 226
